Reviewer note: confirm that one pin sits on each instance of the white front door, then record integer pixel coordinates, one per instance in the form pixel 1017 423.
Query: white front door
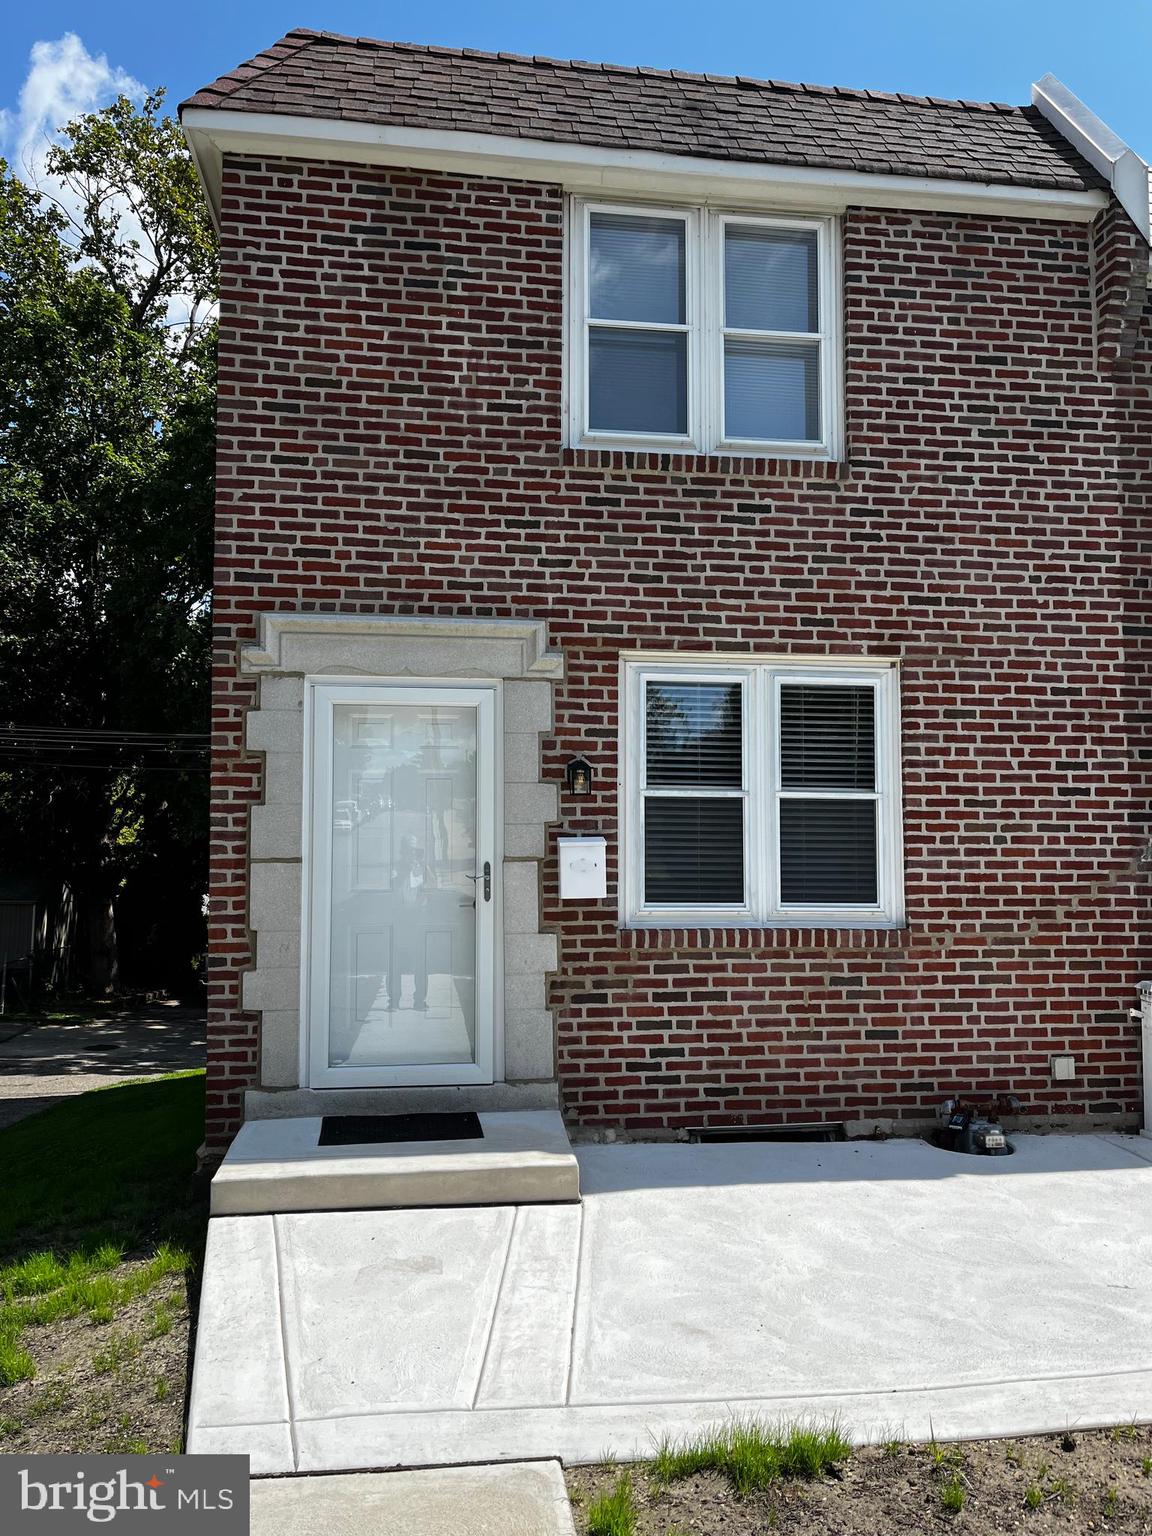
pixel 402 886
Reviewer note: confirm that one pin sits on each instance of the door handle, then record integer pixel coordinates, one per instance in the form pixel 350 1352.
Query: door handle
pixel 487 879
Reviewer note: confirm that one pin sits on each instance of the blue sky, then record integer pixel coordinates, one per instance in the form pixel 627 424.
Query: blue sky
pixel 986 49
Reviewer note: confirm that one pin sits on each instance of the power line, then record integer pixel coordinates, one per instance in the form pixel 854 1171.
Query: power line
pixel 102 750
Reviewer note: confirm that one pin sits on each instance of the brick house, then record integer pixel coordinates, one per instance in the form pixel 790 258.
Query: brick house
pixel 739 481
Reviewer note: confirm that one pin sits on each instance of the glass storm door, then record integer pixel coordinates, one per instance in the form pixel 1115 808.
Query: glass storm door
pixel 403 886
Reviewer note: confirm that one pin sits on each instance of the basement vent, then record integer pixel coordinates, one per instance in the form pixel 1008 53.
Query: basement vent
pixel 831 1131
pixel 374 1130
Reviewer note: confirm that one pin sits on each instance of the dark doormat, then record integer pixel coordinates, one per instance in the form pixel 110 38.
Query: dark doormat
pixel 372 1130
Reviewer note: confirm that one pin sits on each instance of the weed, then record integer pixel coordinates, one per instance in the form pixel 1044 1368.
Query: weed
pixel 1033 1496
pixel 9 1427
pixel 161 1389
pixel 124 1445
pixel 161 1319
pixel 614 1514
pixel 892 1448
pixel 1112 1501
pixel 1060 1488
pixel 753 1454
pixel 1041 1471
pixel 945 1458
pixel 952 1494
pixel 1146 1466
pixel 121 1348
pixel 1012 1455
pixel 1125 1431
pixel 50 1400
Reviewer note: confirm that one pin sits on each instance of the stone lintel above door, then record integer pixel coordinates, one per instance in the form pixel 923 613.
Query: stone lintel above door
pixel 294 647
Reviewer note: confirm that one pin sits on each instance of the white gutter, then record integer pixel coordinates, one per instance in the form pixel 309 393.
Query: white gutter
pixel 212 133
pixel 1127 174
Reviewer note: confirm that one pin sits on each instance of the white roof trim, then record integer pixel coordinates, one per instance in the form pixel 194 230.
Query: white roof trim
pixel 212 132
pixel 1126 172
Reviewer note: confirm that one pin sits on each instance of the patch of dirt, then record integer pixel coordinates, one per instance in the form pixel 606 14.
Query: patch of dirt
pixel 104 1387
pixel 1098 1481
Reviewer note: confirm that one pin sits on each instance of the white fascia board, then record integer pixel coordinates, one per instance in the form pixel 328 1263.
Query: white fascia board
pixel 1105 151
pixel 586 169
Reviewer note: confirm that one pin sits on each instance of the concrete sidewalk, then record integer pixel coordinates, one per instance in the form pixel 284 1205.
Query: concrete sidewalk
pixel 905 1288
pixel 41 1064
pixel 516 1499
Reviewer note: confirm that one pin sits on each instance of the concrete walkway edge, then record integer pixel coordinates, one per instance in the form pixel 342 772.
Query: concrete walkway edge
pixel 515 1499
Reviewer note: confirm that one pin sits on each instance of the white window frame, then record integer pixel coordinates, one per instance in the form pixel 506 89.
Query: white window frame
pixel 761 681
pixel 704 326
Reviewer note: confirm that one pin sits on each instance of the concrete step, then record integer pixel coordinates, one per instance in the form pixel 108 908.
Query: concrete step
pixel 523 1158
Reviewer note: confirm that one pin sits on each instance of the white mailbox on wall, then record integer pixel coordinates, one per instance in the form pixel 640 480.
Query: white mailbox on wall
pixel 583 872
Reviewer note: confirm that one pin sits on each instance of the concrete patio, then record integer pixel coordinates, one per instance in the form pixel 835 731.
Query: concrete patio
pixel 909 1290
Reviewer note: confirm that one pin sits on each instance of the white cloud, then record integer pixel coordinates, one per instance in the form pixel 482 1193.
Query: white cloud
pixel 63 81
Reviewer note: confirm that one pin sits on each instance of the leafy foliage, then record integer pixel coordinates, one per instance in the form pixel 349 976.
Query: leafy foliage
pixel 107 389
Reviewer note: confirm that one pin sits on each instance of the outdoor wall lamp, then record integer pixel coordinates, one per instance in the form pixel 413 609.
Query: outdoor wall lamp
pixel 578 776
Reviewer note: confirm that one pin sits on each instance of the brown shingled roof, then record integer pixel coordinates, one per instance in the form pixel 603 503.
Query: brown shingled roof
pixel 320 74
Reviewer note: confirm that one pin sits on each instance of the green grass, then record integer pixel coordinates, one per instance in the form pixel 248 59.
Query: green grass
pixel 753 1454
pixel 614 1513
pixel 1033 1495
pixel 96 1208
pixel 952 1493
pixel 1146 1466
pixel 945 1458
pixel 117 1352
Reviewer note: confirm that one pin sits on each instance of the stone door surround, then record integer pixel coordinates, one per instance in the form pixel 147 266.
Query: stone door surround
pixel 296 646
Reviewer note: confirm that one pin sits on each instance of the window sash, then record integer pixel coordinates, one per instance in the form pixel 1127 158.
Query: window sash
pixel 706 333
pixel 699 792
pixel 762 794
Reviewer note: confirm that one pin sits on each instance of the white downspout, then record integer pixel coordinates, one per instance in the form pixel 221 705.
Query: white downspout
pixel 1144 1013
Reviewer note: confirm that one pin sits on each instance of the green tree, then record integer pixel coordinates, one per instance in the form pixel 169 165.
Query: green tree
pixel 107 282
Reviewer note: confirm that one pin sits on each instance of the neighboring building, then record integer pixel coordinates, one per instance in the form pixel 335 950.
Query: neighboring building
pixel 778 451
pixel 37 934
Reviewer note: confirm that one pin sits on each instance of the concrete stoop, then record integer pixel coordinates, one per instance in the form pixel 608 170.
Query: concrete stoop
pixel 273 1166
pixel 525 1498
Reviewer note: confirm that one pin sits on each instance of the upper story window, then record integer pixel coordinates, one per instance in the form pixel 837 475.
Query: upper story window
pixel 760 793
pixel 703 332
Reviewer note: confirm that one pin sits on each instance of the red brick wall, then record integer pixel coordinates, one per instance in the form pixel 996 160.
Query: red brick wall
pixel 390 440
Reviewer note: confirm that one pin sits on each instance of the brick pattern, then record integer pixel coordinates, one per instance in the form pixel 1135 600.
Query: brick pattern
pixel 360 79
pixel 390 441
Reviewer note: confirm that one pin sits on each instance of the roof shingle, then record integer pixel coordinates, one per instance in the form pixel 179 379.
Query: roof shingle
pixel 321 74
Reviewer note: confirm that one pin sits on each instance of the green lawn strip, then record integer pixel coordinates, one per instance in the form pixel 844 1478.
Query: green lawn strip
pixel 96 1209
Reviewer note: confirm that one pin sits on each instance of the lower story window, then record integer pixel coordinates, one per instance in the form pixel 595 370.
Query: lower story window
pixel 761 793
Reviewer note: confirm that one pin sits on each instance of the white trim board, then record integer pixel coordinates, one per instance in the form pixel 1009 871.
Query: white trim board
pixel 212 133
pixel 1128 175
